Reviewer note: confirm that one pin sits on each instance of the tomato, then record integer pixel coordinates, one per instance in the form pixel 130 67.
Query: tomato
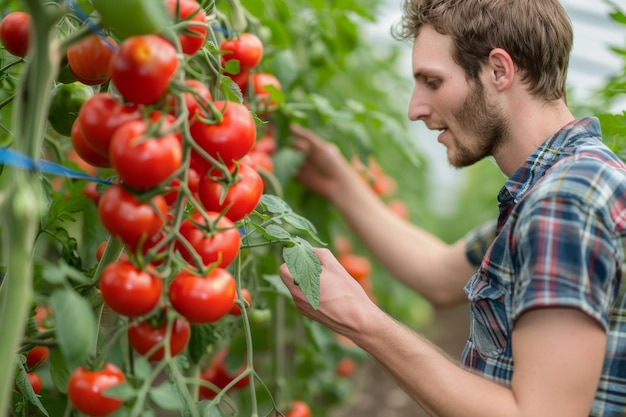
pixel 35 382
pixel 260 161
pixel 203 299
pixel 217 244
pixel 229 139
pixel 84 151
pixel 129 219
pixel 102 247
pixel 100 116
pixel 89 59
pixel 44 317
pixel 142 68
pixel 346 367
pixel 218 374
pixel 198 95
pixel 85 390
pixel 192 37
pixel 247 49
pixel 359 267
pixel 145 335
pixel 15 33
pixel 128 290
pixel 299 409
pixel 260 82
pixel 236 310
pixel 65 103
pixel 266 143
pixel 36 356
pixel 240 199
pixel 241 79
pixel 193 178
pixel 91 192
pixel 144 161
pixel 132 17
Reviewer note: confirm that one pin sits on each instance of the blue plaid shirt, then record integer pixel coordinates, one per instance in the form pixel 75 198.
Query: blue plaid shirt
pixel 559 241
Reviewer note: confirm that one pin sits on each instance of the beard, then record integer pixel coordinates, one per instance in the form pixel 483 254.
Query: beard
pixel 480 120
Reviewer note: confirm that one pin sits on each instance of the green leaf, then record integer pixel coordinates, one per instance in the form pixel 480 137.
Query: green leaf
pixel 209 409
pixel 23 384
pixel 166 397
pixel 305 268
pixel 274 204
pixel 142 367
pixel 303 225
pixel 274 232
pixel 59 372
pixel 202 336
pixel 76 326
pixel 123 391
pixel 277 283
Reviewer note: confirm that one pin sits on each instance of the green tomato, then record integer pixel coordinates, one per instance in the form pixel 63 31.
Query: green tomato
pixel 132 17
pixel 65 103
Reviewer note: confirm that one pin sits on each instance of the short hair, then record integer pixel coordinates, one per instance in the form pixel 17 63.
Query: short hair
pixel 536 33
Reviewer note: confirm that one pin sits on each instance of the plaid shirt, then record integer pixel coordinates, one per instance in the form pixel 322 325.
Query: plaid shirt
pixel 559 241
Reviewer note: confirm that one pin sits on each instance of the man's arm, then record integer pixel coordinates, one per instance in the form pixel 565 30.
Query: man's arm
pixel 558 355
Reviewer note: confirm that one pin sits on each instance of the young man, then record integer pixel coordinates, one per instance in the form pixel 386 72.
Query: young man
pixel 548 325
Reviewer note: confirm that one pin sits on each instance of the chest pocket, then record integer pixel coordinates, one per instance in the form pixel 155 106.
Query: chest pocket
pixel 489 329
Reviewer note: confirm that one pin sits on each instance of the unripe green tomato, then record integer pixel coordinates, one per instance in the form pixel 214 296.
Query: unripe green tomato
pixel 132 17
pixel 259 316
pixel 65 103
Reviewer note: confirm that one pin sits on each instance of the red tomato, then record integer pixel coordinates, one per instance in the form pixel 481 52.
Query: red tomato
pixel 89 59
pixel 128 290
pixel 245 293
pixel 133 221
pixel 85 390
pixel 229 139
pixel 144 336
pixel 241 198
pixel 91 192
pixel 203 299
pixel 192 37
pixel 36 356
pixel 144 161
pixel 15 34
pixel 142 68
pixel 100 116
pixel 217 244
pixel 260 161
pixel 218 374
pixel 35 382
pixel 358 266
pixel 346 367
pixel 247 49
pixel 299 409
pixel 86 152
pixel 266 143
pixel 260 82
pixel 193 178
pixel 241 79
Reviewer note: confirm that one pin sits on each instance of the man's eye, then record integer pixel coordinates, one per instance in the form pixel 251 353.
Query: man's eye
pixel 433 83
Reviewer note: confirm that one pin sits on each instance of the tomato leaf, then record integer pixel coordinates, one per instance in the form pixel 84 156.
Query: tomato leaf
pixel 76 326
pixel 202 336
pixel 166 397
pixel 209 409
pixel 122 391
pixel 59 373
pixel 305 268
pixel 23 384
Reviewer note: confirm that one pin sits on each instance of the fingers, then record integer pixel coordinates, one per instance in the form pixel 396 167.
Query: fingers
pixel 305 138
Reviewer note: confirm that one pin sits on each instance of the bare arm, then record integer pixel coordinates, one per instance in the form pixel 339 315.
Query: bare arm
pixel 420 260
pixel 558 355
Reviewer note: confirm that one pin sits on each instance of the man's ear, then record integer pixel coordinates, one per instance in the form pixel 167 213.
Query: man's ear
pixel 501 69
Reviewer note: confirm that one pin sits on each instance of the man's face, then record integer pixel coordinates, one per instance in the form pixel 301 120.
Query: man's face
pixel 472 125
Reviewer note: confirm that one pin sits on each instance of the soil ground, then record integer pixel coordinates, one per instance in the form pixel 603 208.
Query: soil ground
pixel 379 395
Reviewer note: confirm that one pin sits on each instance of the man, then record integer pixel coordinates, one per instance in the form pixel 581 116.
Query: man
pixel 548 320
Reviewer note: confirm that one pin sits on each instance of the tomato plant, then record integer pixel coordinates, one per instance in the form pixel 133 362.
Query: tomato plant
pixel 84 150
pixel 203 299
pixel 247 49
pixel 128 290
pixel 66 101
pixel 142 68
pixel 196 95
pixel 85 389
pixel 193 36
pixel 15 29
pixel 144 336
pixel 36 356
pixel 90 58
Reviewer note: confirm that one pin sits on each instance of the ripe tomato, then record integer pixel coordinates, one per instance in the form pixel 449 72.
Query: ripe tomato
pixel 142 68
pixel 91 192
pixel 65 103
pixel 197 97
pixel 260 161
pixel 245 293
pixel 15 31
pixel 229 139
pixel 35 382
pixel 266 143
pixel 36 356
pixel 128 290
pixel 84 151
pixel 346 367
pixel 89 59
pixel 203 299
pixel 299 409
pixel 145 335
pixel 247 49
pixel 133 221
pixel 241 198
pixel 217 243
pixel 100 116
pixel 144 161
pixel 193 178
pixel 85 390
pixel 260 82
pixel 359 267
pixel 192 37
pixel 218 374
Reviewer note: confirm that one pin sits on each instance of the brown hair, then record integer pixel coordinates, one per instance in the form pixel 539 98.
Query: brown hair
pixel 536 33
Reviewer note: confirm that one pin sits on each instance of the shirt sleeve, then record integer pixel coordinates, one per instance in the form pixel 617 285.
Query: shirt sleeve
pixel 566 257
pixel 478 240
